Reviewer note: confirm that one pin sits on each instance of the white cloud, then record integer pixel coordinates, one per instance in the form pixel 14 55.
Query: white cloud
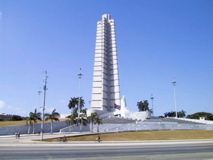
pixel 2 104
pixel 62 101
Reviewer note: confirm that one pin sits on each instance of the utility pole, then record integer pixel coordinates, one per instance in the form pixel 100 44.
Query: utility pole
pixel 152 104
pixel 174 82
pixel 39 100
pixel 43 108
pixel 79 98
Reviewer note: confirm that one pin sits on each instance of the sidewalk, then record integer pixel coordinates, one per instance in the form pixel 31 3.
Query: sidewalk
pixel 34 140
pixel 34 137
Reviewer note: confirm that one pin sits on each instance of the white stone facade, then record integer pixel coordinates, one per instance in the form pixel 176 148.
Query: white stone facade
pixel 106 87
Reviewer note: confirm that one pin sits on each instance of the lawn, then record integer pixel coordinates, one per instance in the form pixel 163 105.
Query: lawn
pixel 16 123
pixel 145 135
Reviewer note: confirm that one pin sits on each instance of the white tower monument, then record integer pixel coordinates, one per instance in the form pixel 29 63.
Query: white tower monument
pixel 106 99
pixel 106 87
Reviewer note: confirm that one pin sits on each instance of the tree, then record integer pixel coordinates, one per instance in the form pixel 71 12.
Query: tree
pixel 36 117
pixel 170 114
pixel 208 116
pixel 82 121
pixel 84 110
pixel 143 106
pixel 32 119
pixel 53 117
pixel 15 118
pixel 92 118
pixel 72 120
pixel 180 114
pixel 73 104
pixel 29 122
pixel 98 122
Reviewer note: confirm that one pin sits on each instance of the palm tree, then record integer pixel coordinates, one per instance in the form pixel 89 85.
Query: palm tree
pixel 98 122
pixel 84 110
pixel 146 105
pixel 73 104
pixel 29 122
pixel 32 120
pixel 143 106
pixel 53 117
pixel 140 105
pixel 82 121
pixel 72 120
pixel 92 118
pixel 36 116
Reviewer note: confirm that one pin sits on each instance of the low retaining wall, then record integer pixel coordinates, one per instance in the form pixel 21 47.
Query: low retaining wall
pixel 197 121
pixel 75 128
pixel 144 126
pixel 23 129
pixel 140 126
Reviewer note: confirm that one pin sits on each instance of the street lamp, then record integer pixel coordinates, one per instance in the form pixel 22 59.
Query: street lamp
pixel 174 82
pixel 152 104
pixel 43 108
pixel 79 87
pixel 39 100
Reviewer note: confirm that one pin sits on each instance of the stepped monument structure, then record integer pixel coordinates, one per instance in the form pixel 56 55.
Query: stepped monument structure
pixel 106 87
pixel 106 99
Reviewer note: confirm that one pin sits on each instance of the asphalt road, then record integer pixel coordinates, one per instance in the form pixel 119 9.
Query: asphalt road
pixel 109 151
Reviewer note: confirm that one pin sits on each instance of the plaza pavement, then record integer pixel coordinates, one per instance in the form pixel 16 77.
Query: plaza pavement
pixel 34 140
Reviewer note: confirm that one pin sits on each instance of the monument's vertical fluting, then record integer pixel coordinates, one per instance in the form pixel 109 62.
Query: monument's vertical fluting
pixel 106 89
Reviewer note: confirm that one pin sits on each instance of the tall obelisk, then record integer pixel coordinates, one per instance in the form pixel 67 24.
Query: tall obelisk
pixel 106 87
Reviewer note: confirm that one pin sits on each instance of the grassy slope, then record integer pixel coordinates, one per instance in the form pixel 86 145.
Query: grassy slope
pixel 132 136
pixel 146 135
pixel 16 123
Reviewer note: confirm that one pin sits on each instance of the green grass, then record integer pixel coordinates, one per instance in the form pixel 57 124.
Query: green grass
pixel 145 135
pixel 16 123
pixel 12 123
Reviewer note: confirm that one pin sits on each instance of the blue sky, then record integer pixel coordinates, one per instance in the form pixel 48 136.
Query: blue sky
pixel 156 41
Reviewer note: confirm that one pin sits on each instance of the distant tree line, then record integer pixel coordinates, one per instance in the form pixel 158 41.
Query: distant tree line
pixel 11 118
pixel 144 106
pixel 206 115
pixel 180 114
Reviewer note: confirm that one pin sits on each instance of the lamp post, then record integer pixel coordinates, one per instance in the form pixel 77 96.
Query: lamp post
pixel 79 88
pixel 43 108
pixel 174 82
pixel 39 100
pixel 152 104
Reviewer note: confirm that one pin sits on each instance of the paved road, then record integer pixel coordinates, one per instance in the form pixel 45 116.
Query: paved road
pixel 24 149
pixel 106 152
